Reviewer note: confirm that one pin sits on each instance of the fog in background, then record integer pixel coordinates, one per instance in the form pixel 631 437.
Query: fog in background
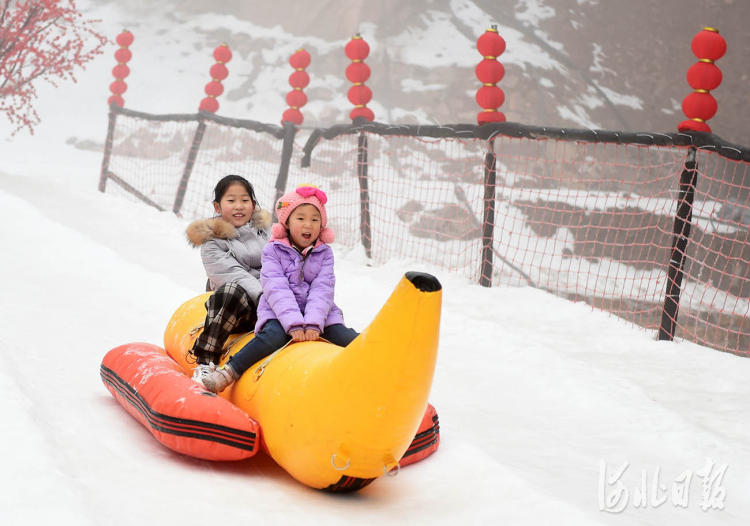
pixel 570 63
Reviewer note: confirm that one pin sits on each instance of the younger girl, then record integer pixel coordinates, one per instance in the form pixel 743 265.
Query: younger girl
pixel 231 246
pixel 298 286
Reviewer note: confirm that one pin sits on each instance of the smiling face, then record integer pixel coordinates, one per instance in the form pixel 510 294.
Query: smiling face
pixel 304 225
pixel 236 205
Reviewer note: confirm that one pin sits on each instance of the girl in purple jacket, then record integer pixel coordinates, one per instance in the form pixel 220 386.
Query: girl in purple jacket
pixel 298 285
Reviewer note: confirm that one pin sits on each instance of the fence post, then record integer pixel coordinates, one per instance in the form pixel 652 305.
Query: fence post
pixel 364 194
pixel 192 155
pixel 488 217
pixel 290 130
pixel 210 104
pixel 107 150
pixel 681 230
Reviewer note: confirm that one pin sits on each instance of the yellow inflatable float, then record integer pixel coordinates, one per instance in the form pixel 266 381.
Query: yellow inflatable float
pixel 334 416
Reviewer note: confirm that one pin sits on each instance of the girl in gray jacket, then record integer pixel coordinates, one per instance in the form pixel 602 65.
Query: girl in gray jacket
pixel 231 244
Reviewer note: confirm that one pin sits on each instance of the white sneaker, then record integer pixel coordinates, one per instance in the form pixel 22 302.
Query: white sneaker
pixel 219 379
pixel 202 371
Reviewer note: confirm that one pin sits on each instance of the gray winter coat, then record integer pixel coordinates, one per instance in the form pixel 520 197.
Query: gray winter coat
pixel 232 254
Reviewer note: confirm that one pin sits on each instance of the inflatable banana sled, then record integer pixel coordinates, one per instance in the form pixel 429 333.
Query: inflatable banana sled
pixel 339 418
pixel 181 414
pixel 190 420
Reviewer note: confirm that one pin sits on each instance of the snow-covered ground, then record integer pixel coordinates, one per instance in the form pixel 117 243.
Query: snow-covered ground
pixel 536 395
pixel 533 391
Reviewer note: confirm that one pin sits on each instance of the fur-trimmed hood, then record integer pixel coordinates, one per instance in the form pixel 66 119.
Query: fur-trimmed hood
pixel 202 230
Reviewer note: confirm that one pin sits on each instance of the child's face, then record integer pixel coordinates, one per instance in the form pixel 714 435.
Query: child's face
pixel 236 206
pixel 304 225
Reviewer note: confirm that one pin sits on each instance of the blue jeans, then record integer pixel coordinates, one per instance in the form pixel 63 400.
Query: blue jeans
pixel 272 338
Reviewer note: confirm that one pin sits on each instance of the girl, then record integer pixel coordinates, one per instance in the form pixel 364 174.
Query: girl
pixel 231 245
pixel 298 285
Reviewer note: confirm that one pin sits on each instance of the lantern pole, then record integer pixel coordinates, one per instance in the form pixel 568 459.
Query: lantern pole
pixel 118 87
pixel 681 234
pixel 213 89
pixel 489 97
pixel 357 73
pixel 703 76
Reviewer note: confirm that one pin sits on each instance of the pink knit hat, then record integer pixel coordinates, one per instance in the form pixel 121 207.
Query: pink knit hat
pixel 304 194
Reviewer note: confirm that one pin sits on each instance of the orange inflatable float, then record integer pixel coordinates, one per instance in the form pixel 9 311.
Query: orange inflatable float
pixel 335 418
pixel 179 413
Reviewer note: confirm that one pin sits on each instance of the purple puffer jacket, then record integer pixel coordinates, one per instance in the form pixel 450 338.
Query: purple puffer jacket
pixel 297 291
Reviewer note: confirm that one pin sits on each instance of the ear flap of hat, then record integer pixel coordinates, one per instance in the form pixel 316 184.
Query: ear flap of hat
pixel 327 236
pixel 278 231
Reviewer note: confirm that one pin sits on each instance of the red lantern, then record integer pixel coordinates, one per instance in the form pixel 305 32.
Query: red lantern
pixel 292 115
pixel 703 77
pixel 123 55
pixel 699 105
pixel 209 104
pixel 214 88
pixel 299 79
pixel 117 100
pixel 219 72
pixel 296 98
pixel 118 87
pixel 357 72
pixel 300 59
pixel 359 95
pixel 363 111
pixel 125 38
pixel 693 125
pixel 222 54
pixel 490 44
pixel 490 116
pixel 489 72
pixel 357 49
pixel 709 44
pixel 490 97
pixel 120 71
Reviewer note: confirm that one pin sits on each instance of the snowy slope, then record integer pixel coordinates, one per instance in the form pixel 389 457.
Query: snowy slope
pixel 532 391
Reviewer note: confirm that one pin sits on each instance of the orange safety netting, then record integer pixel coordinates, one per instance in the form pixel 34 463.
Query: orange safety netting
pixel 587 221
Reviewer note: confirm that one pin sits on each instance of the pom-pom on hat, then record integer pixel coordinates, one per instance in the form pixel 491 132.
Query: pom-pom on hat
pixel 304 194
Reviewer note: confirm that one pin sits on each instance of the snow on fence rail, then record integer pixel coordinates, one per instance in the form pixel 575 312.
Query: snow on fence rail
pixel 651 227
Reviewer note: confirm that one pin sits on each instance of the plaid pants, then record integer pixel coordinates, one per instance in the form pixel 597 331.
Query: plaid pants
pixel 229 309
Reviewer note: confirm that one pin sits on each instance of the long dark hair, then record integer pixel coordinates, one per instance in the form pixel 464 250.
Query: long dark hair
pixel 227 181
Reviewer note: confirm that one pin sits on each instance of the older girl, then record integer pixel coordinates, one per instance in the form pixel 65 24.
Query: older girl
pixel 231 244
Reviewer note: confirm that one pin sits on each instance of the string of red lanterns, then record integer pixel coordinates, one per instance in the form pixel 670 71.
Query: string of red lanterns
pixel 357 73
pixel 298 81
pixel 489 72
pixel 219 72
pixel 703 76
pixel 121 70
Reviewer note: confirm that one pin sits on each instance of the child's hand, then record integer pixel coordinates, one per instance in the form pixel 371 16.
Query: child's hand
pixel 311 335
pixel 298 335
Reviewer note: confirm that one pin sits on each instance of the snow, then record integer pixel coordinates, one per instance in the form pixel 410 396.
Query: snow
pixel 518 51
pixel 533 391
